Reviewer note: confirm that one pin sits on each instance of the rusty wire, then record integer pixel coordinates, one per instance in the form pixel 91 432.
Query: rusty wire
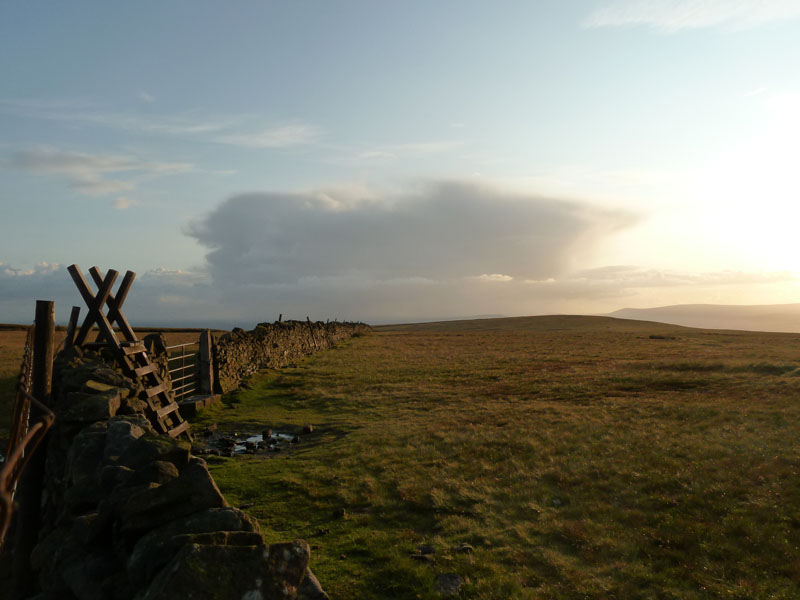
pixel 26 435
pixel 19 420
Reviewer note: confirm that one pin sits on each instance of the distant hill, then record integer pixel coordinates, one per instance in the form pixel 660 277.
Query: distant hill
pixel 539 323
pixel 769 317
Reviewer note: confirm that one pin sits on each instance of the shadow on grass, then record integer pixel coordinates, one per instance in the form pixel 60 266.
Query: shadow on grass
pixel 698 367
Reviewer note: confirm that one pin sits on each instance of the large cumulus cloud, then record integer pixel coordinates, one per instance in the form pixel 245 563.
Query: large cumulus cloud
pixel 440 231
pixel 444 248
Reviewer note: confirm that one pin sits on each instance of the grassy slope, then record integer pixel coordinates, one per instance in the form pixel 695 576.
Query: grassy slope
pixel 580 458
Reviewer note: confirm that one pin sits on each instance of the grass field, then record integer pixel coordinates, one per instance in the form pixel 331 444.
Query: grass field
pixel 578 457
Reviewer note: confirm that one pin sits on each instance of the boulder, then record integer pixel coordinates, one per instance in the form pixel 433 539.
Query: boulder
pixel 85 575
pixel 449 584
pixel 112 476
pixel 121 434
pixel 157 471
pixel 113 378
pixel 85 456
pixel 231 572
pixel 132 406
pixel 88 408
pixel 151 447
pixel 153 552
pixel 310 588
pixel 143 556
pixel 82 471
pixel 192 491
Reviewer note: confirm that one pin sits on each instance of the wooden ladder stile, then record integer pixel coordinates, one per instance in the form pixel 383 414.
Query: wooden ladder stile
pixel 162 411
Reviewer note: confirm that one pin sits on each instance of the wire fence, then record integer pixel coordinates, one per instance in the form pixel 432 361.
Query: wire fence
pixel 26 434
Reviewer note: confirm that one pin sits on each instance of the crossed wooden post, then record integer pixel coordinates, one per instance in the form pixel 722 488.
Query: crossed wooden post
pixel 96 302
pixel 131 354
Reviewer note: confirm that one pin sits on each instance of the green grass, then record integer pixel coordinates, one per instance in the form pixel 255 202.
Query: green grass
pixel 580 457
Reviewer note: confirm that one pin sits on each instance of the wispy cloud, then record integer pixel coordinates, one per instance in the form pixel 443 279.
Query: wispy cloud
pixel 410 149
pixel 358 154
pixel 495 277
pixel 243 130
pixel 83 113
pixel 145 97
pixel 670 16
pixel 88 173
pixel 123 203
pixel 621 277
pixel 281 136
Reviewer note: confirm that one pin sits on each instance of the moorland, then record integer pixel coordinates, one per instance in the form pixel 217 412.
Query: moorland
pixel 540 457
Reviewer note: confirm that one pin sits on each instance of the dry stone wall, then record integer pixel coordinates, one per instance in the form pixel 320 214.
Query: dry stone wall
pixel 274 345
pixel 129 514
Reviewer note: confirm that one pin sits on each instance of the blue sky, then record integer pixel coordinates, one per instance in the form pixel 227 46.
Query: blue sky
pixel 400 160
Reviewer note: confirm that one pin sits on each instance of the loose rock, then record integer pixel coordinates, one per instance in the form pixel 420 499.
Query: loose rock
pixel 449 584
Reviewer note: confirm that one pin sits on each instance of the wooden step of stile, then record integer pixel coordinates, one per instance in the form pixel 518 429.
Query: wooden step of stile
pixel 133 348
pixel 165 410
pixel 176 431
pixel 161 387
pixel 148 368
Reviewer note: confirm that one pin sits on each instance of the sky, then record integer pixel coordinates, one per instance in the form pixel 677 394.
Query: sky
pixel 399 161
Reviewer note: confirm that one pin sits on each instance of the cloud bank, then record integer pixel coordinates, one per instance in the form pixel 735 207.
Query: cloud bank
pixel 443 231
pixel 445 249
pixel 174 297
pixel 159 296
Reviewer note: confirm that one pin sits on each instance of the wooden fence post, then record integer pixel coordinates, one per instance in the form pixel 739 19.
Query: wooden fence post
pixel 206 367
pixel 72 326
pixel 30 487
pixel 311 330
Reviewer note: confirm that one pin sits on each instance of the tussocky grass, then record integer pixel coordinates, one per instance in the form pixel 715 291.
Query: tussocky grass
pixel 579 457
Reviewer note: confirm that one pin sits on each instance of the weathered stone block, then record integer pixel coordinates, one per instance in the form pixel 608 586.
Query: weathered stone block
pixel 88 408
pixel 231 572
pixel 158 471
pixel 194 490
pixel 310 588
pixel 121 434
pixel 152 446
pixel 153 552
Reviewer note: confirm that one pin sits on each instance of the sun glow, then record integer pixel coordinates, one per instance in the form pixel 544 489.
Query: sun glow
pixel 750 193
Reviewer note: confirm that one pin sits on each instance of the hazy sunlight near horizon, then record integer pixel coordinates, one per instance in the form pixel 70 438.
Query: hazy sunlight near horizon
pixel 388 162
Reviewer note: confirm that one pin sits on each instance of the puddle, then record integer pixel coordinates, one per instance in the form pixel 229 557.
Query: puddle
pixel 233 444
pixel 256 442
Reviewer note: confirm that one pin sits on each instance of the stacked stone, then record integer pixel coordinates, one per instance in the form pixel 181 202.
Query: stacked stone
pixel 131 514
pixel 274 345
pixel 156 345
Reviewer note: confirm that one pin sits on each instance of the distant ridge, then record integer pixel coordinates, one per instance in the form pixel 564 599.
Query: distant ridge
pixel 759 317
